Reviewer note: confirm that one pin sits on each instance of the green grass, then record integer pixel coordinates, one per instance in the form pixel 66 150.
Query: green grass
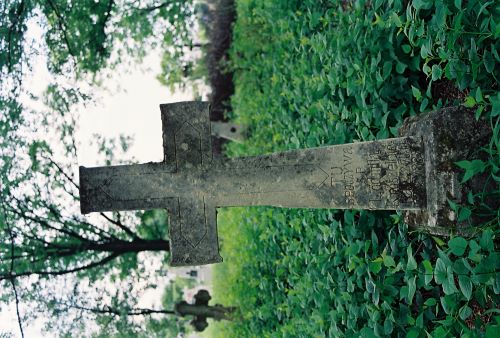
pixel 311 73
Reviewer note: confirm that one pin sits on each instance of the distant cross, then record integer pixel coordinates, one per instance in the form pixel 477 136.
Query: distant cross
pixel 190 183
pixel 201 310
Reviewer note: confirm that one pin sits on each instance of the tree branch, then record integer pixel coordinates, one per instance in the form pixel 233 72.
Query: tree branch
pixel 12 276
pixel 44 222
pixel 132 312
pixel 95 229
pixel 20 10
pixel 62 27
pixel 70 179
pixel 64 272
pixel 108 13
pixel 120 225
pixel 146 10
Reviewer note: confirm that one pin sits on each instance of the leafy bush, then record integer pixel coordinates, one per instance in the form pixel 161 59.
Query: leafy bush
pixel 311 73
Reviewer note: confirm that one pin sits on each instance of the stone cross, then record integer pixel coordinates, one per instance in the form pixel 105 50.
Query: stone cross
pixel 229 131
pixel 190 183
pixel 201 310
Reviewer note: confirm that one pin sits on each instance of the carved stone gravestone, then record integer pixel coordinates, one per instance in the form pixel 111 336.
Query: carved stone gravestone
pixel 229 131
pixel 200 310
pixel 404 173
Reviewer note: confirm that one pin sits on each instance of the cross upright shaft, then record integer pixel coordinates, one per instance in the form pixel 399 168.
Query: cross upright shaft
pixel 190 183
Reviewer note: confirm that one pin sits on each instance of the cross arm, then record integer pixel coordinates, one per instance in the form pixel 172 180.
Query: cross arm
pixel 186 134
pixel 127 187
pixel 192 218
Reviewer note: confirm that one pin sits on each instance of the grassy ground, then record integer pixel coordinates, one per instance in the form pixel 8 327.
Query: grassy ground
pixel 310 73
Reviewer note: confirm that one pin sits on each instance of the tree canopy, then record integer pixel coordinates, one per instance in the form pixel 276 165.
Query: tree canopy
pixel 43 237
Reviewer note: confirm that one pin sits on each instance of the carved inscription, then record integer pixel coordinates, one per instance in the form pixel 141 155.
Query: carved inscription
pixel 383 175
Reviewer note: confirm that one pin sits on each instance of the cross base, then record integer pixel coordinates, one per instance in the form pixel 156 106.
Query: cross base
pixel 449 135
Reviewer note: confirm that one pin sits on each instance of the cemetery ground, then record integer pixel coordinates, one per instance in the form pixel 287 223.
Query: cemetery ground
pixel 312 73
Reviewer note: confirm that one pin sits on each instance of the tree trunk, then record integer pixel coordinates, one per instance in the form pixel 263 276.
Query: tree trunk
pixel 121 247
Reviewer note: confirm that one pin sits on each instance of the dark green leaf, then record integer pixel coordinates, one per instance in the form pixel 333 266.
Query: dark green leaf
pixel 428 271
pixel 470 102
pixel 389 261
pixel 489 63
pixel 406 48
pixel 388 326
pixel 465 285
pixel 440 272
pixel 412 263
pixel 430 302
pixel 449 283
pixel 465 312
pixel 471 167
pixel 459 267
pixel 458 245
pixel 464 214
pixel 437 72
pixel 412 287
pixel 416 93
pixel 449 304
pixel 486 241
pixel 376 265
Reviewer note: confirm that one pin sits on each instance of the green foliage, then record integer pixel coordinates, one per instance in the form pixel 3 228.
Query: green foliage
pixel 42 234
pixel 82 35
pixel 347 278
pixel 311 73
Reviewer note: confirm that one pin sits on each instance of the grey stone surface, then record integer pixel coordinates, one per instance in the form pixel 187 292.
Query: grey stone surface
pixel 201 310
pixel 229 131
pixel 191 183
pixel 449 135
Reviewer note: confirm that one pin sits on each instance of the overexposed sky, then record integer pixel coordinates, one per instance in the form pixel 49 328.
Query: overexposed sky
pixel 134 112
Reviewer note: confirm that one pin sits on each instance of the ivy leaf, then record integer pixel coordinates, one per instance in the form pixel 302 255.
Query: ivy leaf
pixel 471 168
pixel 448 303
pixel 388 326
pixel 437 72
pixel 444 257
pixel 465 285
pixel 428 271
pixel 422 4
pixel 389 261
pixel 459 267
pixel 465 312
pixel 457 246
pixel 449 283
pixel 495 105
pixel 440 272
pixel 413 333
pixel 412 263
pixel 412 287
pixel 375 265
pixel 479 95
pixel 464 214
pixel 470 102
pixel 430 302
pixel 496 283
pixel 416 93
pixel 488 61
pixel 486 240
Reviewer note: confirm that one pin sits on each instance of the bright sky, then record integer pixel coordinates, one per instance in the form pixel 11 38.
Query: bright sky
pixel 134 111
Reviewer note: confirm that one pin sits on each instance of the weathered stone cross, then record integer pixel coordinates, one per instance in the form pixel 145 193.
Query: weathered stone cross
pixel 398 173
